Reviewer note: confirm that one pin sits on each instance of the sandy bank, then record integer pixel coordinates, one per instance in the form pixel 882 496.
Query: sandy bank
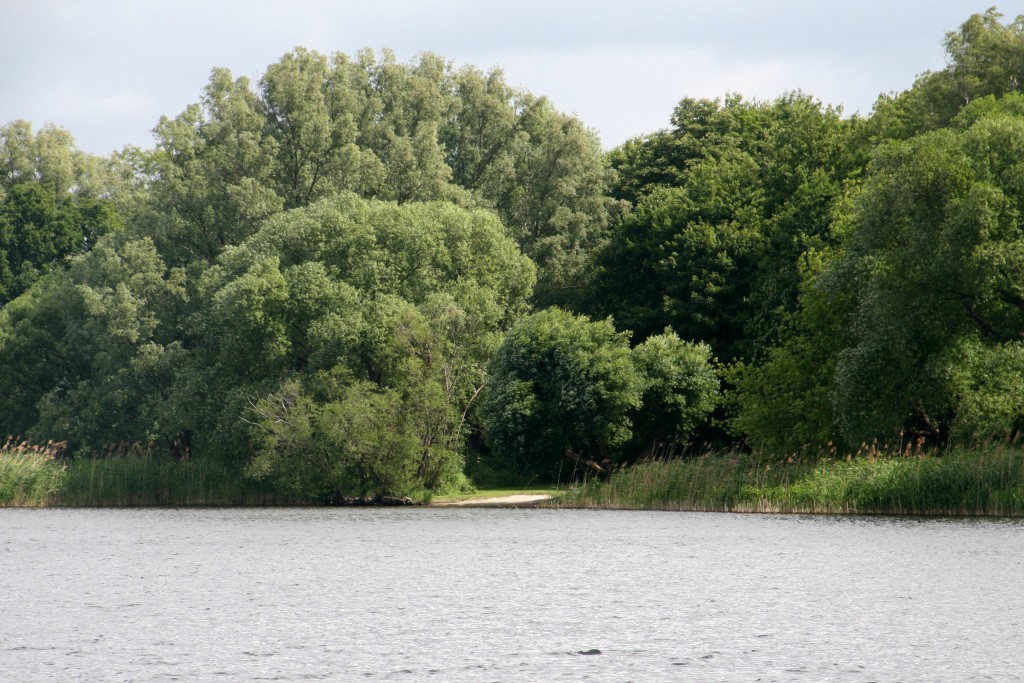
pixel 517 500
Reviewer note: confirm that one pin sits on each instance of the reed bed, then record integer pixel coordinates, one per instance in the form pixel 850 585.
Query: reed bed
pixel 986 480
pixel 150 480
pixel 121 475
pixel 30 475
pixel 982 480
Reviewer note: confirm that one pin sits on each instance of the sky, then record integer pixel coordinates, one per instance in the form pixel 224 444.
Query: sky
pixel 107 70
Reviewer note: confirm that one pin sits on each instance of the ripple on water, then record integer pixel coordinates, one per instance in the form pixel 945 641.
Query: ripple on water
pixel 511 595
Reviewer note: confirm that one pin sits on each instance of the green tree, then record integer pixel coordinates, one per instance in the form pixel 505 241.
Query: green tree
pixel 561 386
pixel 315 126
pixel 785 401
pixel 726 203
pixel 365 325
pixel 934 252
pixel 37 232
pixel 55 201
pixel 565 391
pixel 357 444
pixel 211 176
pixel 350 303
pixel 680 390
pixel 47 157
pixel 904 329
pixel 92 349
pixel 984 57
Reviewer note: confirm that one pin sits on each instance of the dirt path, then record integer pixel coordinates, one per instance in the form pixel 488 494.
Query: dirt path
pixel 517 500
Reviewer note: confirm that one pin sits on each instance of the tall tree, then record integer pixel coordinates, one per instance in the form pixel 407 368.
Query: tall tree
pixel 914 325
pixel 726 203
pixel 55 201
pixel 315 125
pixel 984 57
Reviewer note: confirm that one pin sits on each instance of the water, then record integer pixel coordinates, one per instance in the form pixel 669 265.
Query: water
pixel 505 595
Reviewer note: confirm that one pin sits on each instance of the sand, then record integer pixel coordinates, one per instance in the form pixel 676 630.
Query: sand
pixel 520 499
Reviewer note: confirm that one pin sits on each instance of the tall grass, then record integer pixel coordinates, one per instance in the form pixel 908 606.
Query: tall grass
pixel 150 480
pixel 123 475
pixel 977 481
pixel 30 475
pixel 984 480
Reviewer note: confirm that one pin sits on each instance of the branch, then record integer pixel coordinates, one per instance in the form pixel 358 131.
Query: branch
pixel 1010 298
pixel 981 322
pixel 581 460
pixel 465 412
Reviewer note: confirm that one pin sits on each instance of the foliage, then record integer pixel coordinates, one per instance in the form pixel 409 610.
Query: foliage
pixel 785 401
pixel 89 347
pixel 565 387
pixel 55 201
pixel 984 57
pixel 934 260
pixel 410 299
pixel 358 443
pixel 681 388
pixel 150 479
pixel 980 481
pixel 911 325
pixel 317 125
pixel 986 382
pixel 560 386
pixel 353 275
pixel 727 201
pixel 373 315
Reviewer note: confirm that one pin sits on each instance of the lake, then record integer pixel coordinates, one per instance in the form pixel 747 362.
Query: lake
pixel 450 594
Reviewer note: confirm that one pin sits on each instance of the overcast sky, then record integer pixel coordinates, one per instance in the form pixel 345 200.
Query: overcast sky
pixel 108 69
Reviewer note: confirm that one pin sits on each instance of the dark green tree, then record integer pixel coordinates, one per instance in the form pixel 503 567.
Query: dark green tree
pixel 681 388
pixel 727 201
pixel 561 388
pixel 913 326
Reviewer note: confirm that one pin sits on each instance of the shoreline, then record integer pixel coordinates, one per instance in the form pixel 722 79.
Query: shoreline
pixel 974 482
pixel 511 501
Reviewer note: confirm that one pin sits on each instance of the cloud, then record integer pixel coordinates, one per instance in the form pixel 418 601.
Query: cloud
pixel 88 105
pixel 625 92
pixel 620 66
pixel 100 122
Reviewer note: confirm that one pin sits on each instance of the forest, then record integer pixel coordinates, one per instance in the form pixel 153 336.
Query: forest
pixel 362 277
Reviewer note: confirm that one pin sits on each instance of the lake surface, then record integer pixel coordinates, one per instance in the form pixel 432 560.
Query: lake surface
pixel 452 594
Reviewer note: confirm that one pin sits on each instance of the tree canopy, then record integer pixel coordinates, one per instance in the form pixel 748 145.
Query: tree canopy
pixel 726 202
pixel 316 125
pixel 904 322
pixel 55 201
pixel 341 304
pixel 563 387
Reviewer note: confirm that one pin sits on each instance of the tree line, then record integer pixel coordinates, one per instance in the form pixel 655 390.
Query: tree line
pixel 361 276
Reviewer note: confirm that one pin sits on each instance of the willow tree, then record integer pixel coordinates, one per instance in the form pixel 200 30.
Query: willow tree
pixel 914 325
pixel 316 125
pixel 344 343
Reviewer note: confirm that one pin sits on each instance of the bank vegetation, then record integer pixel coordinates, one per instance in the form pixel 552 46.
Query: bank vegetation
pixel 361 278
